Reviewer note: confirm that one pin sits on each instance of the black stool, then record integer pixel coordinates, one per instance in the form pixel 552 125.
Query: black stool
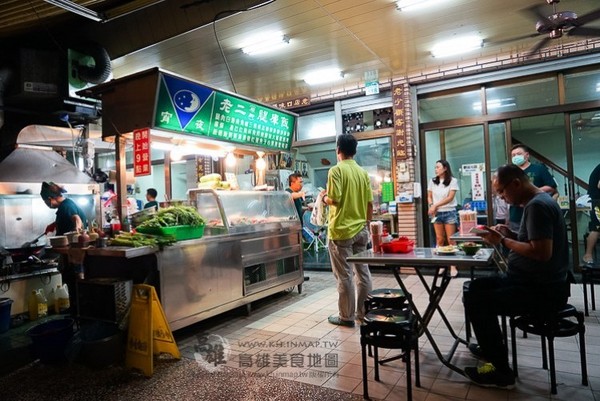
pixel 385 298
pixel 391 329
pixel 558 325
pixel 382 298
pixel 590 275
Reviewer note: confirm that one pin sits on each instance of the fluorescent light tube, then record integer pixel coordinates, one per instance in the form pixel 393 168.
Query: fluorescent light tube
pixel 404 5
pixel 456 46
pixel 265 43
pixel 78 9
pixel 323 76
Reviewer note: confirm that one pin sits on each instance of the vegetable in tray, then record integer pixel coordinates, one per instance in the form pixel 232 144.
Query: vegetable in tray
pixel 138 240
pixel 174 216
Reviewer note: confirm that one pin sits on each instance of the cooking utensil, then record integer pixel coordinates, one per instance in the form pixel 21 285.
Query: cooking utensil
pixel 20 254
pixel 29 243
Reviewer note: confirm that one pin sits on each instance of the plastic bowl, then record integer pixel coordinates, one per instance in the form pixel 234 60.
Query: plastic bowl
pixel 398 246
pixel 470 249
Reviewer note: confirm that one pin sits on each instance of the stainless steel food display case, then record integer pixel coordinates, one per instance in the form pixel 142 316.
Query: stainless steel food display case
pixel 252 248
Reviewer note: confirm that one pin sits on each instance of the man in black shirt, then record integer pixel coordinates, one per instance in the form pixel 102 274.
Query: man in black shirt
pixel 295 183
pixel 536 277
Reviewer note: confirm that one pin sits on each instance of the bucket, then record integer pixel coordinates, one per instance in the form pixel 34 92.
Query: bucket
pixel 5 304
pixel 50 339
pixel 101 345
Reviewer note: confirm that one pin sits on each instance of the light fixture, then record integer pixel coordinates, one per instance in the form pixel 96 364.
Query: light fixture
pixel 404 5
pixel 230 160
pixel 181 149
pixel 456 46
pixel 265 42
pixel 261 164
pixel 496 104
pixel 323 76
pixel 176 154
pixel 78 9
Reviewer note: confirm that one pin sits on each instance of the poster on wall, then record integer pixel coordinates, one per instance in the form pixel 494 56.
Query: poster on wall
pixel 142 163
pixel 477 188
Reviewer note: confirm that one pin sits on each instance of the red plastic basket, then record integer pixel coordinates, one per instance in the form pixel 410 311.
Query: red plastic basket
pixel 398 246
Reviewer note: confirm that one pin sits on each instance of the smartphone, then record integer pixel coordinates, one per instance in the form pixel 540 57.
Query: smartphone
pixel 479 230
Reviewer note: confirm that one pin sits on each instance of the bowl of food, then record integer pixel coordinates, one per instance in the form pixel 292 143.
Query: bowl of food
pixel 470 248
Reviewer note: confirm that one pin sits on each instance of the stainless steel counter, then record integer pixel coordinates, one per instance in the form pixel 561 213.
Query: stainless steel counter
pixel 204 277
pixel 122 251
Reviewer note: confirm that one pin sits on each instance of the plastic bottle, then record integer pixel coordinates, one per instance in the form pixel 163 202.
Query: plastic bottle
pixel 62 298
pixel 42 303
pixel 51 301
pixel 126 226
pixel 56 308
pixel 115 225
pixel 33 306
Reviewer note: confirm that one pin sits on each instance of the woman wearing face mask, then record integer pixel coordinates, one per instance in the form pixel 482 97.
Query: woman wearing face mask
pixel 441 197
pixel 538 175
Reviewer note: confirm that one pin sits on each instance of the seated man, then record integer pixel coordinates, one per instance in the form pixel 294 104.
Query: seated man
pixel 536 277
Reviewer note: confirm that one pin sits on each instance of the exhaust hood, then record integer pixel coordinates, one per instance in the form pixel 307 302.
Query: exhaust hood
pixel 25 165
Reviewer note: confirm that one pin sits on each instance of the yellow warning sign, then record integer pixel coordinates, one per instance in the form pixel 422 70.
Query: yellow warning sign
pixel 149 332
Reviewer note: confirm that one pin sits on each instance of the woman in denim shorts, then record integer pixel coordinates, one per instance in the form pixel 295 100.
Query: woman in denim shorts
pixel 441 197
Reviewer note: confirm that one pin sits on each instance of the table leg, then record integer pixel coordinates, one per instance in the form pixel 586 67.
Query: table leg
pixel 435 296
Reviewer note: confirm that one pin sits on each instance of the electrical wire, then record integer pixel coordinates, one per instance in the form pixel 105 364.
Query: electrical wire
pixel 214 24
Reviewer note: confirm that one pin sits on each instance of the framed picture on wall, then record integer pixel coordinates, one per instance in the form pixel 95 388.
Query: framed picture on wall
pixel 304 169
pixel 285 162
pixel 272 161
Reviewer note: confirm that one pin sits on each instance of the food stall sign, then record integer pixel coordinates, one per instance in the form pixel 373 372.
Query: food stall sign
pixel 188 107
pixel 142 163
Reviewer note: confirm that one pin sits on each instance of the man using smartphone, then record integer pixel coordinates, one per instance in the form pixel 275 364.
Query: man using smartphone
pixel 536 277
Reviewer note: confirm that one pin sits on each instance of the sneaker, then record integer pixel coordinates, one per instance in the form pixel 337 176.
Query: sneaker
pixel 333 319
pixel 476 350
pixel 488 376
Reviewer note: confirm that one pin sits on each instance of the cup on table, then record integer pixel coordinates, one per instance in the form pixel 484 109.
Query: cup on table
pixel 377 240
pixel 419 252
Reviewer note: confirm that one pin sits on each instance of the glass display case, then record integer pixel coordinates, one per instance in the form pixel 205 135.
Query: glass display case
pixel 229 212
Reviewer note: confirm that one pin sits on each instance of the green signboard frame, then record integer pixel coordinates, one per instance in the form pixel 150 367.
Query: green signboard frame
pixel 188 107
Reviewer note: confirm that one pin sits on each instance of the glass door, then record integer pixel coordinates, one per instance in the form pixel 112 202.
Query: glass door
pixel 585 138
pixel 464 149
pixel 545 136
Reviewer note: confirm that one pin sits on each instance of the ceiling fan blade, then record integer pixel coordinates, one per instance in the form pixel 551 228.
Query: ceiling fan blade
pixel 589 17
pixel 538 13
pixel 542 43
pixel 514 39
pixel 583 31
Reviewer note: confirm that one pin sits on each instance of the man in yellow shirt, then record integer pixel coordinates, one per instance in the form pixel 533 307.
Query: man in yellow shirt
pixel 350 201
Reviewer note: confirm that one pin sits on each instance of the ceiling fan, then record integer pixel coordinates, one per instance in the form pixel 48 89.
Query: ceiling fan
pixel 560 23
pixel 583 123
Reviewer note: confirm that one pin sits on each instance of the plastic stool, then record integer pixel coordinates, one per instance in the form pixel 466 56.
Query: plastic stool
pixel 392 329
pixel 548 328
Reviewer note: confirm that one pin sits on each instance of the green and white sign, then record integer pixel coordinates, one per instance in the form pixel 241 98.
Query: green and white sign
pixel 191 108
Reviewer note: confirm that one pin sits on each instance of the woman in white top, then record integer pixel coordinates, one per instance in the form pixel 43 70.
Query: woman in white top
pixel 441 197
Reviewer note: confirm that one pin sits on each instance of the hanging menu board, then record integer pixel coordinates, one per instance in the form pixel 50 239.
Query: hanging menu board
pixel 191 108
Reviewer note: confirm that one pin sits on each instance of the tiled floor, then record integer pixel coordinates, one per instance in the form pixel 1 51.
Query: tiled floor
pixel 288 339
pixel 288 336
